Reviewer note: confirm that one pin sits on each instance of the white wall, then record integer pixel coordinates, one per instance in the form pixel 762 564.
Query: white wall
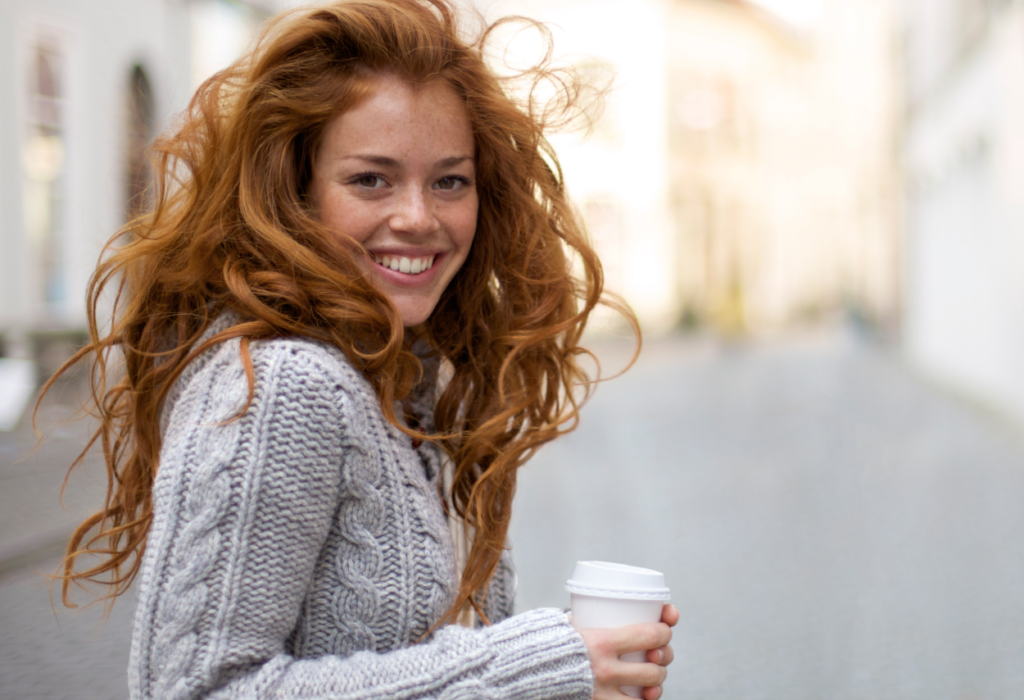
pixel 99 44
pixel 964 254
pixel 178 43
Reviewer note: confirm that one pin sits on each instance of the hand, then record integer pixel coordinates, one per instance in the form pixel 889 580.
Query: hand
pixel 605 646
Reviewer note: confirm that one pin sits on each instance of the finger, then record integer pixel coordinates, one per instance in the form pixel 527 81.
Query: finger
pixel 662 656
pixel 618 673
pixel 646 675
pixel 641 637
pixel 652 693
pixel 670 615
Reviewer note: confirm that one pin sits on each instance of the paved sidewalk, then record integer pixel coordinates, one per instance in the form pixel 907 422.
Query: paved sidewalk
pixel 34 523
pixel 48 652
pixel 832 527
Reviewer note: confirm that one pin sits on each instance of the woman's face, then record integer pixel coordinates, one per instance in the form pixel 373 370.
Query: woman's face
pixel 397 174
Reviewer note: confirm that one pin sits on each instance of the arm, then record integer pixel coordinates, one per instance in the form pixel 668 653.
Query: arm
pixel 243 511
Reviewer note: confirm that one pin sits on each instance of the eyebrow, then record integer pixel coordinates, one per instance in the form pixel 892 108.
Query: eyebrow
pixel 386 162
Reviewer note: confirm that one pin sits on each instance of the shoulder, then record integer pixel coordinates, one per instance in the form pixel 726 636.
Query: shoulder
pixel 289 406
pixel 304 359
pixel 295 371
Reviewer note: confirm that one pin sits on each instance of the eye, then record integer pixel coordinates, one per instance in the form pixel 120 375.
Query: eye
pixel 451 182
pixel 370 181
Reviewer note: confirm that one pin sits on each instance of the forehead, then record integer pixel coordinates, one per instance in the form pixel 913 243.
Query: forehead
pixel 398 118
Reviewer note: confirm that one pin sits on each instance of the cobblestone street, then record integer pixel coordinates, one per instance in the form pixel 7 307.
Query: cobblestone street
pixel 832 528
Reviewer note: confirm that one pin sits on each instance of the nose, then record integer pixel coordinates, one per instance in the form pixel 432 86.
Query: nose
pixel 414 213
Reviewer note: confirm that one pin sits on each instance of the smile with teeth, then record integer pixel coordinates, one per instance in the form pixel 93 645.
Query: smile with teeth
pixel 400 263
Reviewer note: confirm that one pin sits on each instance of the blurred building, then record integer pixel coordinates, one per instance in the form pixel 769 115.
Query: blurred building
pixel 744 174
pixel 84 87
pixel 741 175
pixel 782 145
pixel 964 151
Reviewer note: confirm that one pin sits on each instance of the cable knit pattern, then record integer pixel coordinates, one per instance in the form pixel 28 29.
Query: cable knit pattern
pixel 300 550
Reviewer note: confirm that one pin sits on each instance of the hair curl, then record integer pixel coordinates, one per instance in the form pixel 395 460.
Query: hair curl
pixel 230 228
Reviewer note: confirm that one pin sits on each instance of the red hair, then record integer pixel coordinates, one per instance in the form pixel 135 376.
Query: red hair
pixel 231 228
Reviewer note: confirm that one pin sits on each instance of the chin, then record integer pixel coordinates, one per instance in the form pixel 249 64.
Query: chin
pixel 415 309
pixel 411 319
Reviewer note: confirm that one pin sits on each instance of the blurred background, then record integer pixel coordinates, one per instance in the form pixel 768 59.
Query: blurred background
pixel 815 207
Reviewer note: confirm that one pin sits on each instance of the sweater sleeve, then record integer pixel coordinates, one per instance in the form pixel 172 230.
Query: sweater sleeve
pixel 243 510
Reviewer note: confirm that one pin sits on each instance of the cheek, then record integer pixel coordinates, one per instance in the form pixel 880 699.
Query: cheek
pixel 464 225
pixel 354 219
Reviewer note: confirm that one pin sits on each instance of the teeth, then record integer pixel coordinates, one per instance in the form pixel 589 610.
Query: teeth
pixel 410 266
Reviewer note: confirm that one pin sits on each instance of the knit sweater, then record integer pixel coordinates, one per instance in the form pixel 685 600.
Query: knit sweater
pixel 301 550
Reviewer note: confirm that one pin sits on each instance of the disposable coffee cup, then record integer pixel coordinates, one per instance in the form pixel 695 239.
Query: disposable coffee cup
pixel 604 594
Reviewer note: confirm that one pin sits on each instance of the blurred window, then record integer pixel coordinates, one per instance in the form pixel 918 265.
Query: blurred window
pixel 140 115
pixel 703 116
pixel 972 20
pixel 43 162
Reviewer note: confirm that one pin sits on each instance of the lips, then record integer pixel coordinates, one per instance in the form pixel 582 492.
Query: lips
pixel 407 265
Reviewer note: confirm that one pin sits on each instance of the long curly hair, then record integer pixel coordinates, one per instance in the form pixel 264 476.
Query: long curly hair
pixel 230 228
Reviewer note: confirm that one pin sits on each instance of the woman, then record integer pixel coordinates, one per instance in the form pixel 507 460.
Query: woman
pixel 349 210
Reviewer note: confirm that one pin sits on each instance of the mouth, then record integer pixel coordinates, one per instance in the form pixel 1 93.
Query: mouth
pixel 405 265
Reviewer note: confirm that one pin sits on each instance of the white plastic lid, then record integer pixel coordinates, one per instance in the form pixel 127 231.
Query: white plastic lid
pixel 603 579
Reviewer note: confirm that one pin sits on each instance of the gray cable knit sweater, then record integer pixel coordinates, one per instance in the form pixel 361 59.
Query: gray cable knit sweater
pixel 302 551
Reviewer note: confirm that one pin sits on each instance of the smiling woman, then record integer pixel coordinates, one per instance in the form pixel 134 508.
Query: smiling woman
pixel 346 321
pixel 396 174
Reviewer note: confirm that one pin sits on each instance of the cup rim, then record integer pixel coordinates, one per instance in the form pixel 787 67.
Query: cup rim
pixel 618 593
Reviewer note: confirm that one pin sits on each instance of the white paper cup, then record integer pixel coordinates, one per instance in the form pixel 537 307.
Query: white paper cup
pixel 604 594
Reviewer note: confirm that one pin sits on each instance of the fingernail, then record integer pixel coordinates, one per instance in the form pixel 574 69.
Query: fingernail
pixel 661 656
